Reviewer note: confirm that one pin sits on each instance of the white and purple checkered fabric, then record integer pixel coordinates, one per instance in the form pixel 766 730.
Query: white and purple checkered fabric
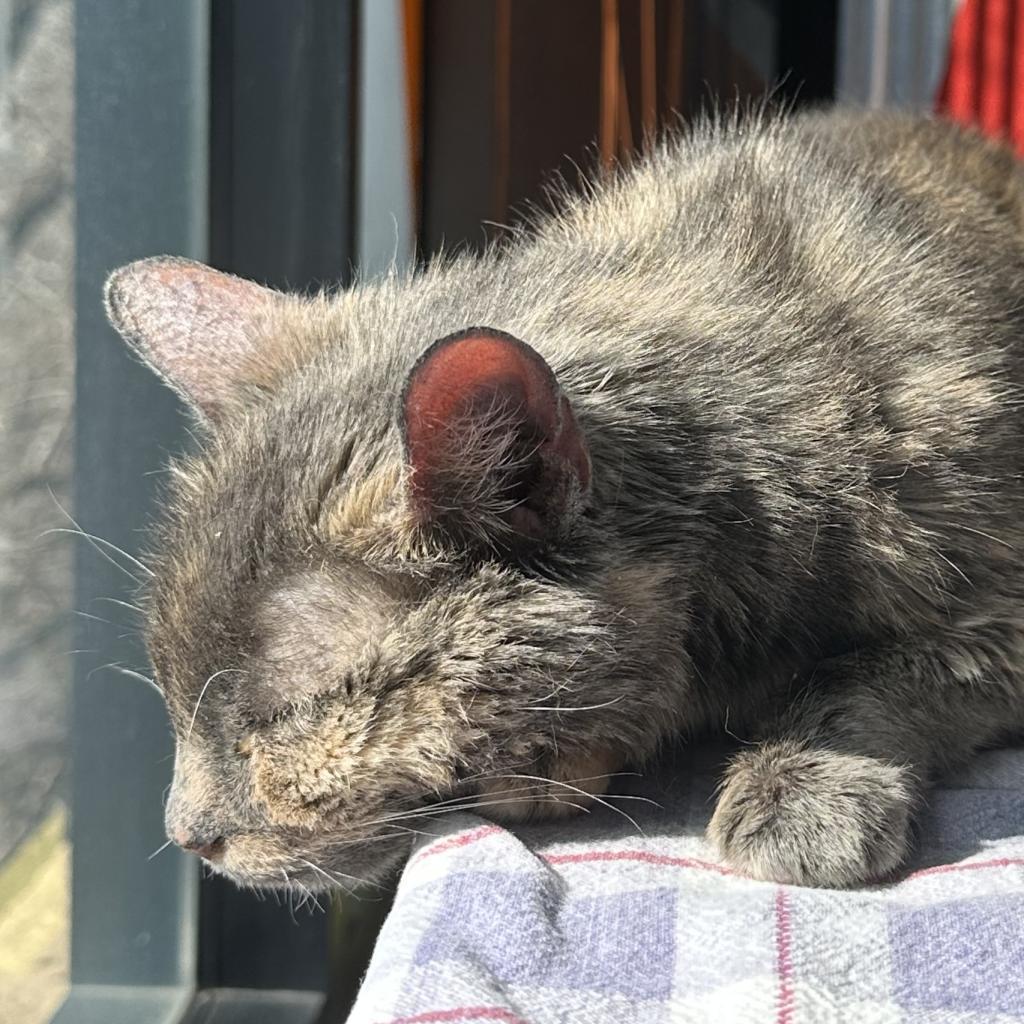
pixel 589 921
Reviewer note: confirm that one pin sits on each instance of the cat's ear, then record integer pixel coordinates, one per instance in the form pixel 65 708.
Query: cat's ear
pixel 196 327
pixel 491 441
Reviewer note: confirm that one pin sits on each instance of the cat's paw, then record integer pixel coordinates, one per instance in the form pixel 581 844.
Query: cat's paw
pixel 813 817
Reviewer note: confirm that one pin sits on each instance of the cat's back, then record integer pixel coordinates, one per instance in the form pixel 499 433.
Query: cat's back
pixel 748 270
pixel 807 246
pixel 770 197
pixel 965 174
pixel 725 177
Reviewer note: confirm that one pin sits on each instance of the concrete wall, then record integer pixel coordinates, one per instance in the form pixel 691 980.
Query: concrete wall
pixel 36 368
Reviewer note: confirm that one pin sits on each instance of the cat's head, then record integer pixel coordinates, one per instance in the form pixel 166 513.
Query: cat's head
pixel 367 592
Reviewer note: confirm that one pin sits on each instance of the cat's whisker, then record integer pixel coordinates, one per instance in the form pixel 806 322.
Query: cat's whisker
pixel 336 877
pixel 454 803
pixel 307 897
pixel 160 849
pixel 730 733
pixel 512 794
pixel 95 618
pixel 570 707
pixel 113 666
pixel 202 693
pixel 502 774
pixel 318 870
pixel 980 533
pixel 956 568
pixel 461 799
pixel 459 804
pixel 96 541
pixel 132 674
pixel 487 772
pixel 557 688
pixel 535 798
pixel 603 796
pixel 401 829
pixel 124 604
pixel 391 821
pixel 377 839
pixel 528 798
pixel 592 796
pixel 290 895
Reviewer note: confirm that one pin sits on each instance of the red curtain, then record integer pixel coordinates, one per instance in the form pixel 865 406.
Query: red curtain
pixel 984 82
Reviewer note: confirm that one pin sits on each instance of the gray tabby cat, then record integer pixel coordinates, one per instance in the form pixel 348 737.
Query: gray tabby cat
pixel 732 442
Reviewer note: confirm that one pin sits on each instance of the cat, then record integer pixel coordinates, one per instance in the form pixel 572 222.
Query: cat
pixel 731 441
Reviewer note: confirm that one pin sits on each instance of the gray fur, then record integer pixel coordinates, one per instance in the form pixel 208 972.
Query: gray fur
pixel 794 349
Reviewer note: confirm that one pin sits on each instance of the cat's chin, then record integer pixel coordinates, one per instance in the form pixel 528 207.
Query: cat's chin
pixel 363 870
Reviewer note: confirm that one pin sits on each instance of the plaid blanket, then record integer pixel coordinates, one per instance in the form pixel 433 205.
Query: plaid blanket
pixel 605 921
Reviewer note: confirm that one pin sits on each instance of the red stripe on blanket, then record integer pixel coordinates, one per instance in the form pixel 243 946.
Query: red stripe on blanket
pixel 783 958
pixel 644 857
pixel 637 855
pixel 456 841
pixel 941 869
pixel 461 1013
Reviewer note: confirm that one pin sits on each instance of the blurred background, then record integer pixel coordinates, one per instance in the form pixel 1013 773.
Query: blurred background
pixel 288 141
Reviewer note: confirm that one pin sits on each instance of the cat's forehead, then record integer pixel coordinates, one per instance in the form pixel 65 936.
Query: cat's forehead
pixel 232 516
pixel 255 642
pixel 259 572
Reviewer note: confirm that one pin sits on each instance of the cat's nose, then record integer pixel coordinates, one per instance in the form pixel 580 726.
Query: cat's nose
pixel 209 848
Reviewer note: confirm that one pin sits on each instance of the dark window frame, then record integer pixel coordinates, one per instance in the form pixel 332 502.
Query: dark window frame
pixel 228 139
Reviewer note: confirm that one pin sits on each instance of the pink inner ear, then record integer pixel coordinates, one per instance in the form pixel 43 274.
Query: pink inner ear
pixel 474 371
pixel 193 324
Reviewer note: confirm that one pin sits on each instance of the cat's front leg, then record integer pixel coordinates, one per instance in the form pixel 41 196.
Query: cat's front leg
pixel 827 797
